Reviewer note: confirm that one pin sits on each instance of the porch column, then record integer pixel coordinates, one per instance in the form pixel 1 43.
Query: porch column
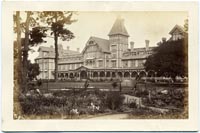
pixel 122 75
pixel 88 74
pixel 98 77
pixel 91 75
pixel 105 75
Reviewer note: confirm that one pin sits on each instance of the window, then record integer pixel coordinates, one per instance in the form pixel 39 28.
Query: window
pixel 125 63
pixel 114 64
pixel 113 48
pixel 91 42
pixel 114 55
pixel 44 54
pixel 59 67
pixel 140 63
pixel 100 63
pixel 65 67
pixel 133 63
pixel 46 66
pixel 136 63
pixel 107 63
pixel 176 36
pixel 141 53
pixel 73 66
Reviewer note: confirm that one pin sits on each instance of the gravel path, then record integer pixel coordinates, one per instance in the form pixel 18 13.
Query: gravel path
pixel 111 116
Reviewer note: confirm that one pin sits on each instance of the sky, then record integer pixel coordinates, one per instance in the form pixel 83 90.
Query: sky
pixel 141 26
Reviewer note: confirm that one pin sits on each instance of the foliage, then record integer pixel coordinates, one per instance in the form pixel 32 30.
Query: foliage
pixel 33 70
pixel 37 35
pixel 114 100
pixel 57 22
pixel 31 38
pixel 170 58
pixel 114 85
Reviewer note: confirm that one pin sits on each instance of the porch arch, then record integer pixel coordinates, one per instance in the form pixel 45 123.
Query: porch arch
pixel 95 74
pixel 134 74
pixel 113 74
pixel 83 75
pixel 102 74
pixel 107 74
pixel 119 74
pixel 142 74
pixel 127 75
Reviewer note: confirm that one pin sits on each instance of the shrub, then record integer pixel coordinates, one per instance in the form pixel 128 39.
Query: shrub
pixel 114 100
pixel 132 105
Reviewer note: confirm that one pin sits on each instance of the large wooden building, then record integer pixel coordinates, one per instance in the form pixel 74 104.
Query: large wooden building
pixel 101 58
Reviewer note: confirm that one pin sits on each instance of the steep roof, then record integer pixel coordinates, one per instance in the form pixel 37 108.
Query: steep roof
pixel 47 49
pixel 102 43
pixel 118 28
pixel 51 52
pixel 177 27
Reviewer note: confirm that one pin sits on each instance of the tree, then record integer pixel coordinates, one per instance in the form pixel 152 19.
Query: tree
pixel 170 58
pixel 33 70
pixel 18 42
pixel 58 20
pixel 114 84
pixel 32 38
pixel 25 51
pixel 186 25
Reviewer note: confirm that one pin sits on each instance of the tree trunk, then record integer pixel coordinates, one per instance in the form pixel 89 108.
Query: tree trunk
pixel 25 52
pixel 56 51
pixel 56 56
pixel 19 47
pixel 17 80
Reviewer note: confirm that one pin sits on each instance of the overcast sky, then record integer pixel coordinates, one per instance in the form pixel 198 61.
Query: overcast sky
pixel 141 26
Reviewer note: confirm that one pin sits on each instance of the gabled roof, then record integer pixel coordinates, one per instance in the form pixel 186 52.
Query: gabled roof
pixel 82 68
pixel 102 43
pixel 177 27
pixel 118 28
pixel 47 49
pixel 51 52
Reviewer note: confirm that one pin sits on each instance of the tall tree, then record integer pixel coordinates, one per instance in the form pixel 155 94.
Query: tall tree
pixel 170 58
pixel 33 37
pixel 57 21
pixel 18 30
pixel 25 50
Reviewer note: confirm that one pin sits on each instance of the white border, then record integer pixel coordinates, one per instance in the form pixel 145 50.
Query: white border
pixel 8 124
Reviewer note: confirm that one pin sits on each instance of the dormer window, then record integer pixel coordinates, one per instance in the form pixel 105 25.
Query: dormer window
pixel 91 42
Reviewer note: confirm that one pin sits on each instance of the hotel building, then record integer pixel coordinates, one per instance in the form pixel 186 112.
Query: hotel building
pixel 101 58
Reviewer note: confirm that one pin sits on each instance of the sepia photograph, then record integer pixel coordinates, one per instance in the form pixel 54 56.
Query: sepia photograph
pixel 100 67
pixel 124 67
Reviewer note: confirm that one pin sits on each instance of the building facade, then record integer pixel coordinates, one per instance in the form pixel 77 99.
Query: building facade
pixel 101 58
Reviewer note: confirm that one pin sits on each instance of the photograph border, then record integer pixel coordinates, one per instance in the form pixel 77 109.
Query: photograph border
pixel 9 124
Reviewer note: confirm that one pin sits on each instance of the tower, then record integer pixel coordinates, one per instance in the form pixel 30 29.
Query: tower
pixel 118 37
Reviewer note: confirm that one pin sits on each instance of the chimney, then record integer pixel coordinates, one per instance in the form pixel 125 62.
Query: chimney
pixel 147 44
pixel 164 39
pixel 67 47
pixel 132 45
pixel 78 49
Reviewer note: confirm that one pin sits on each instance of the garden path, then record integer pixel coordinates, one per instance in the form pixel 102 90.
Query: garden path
pixel 111 116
